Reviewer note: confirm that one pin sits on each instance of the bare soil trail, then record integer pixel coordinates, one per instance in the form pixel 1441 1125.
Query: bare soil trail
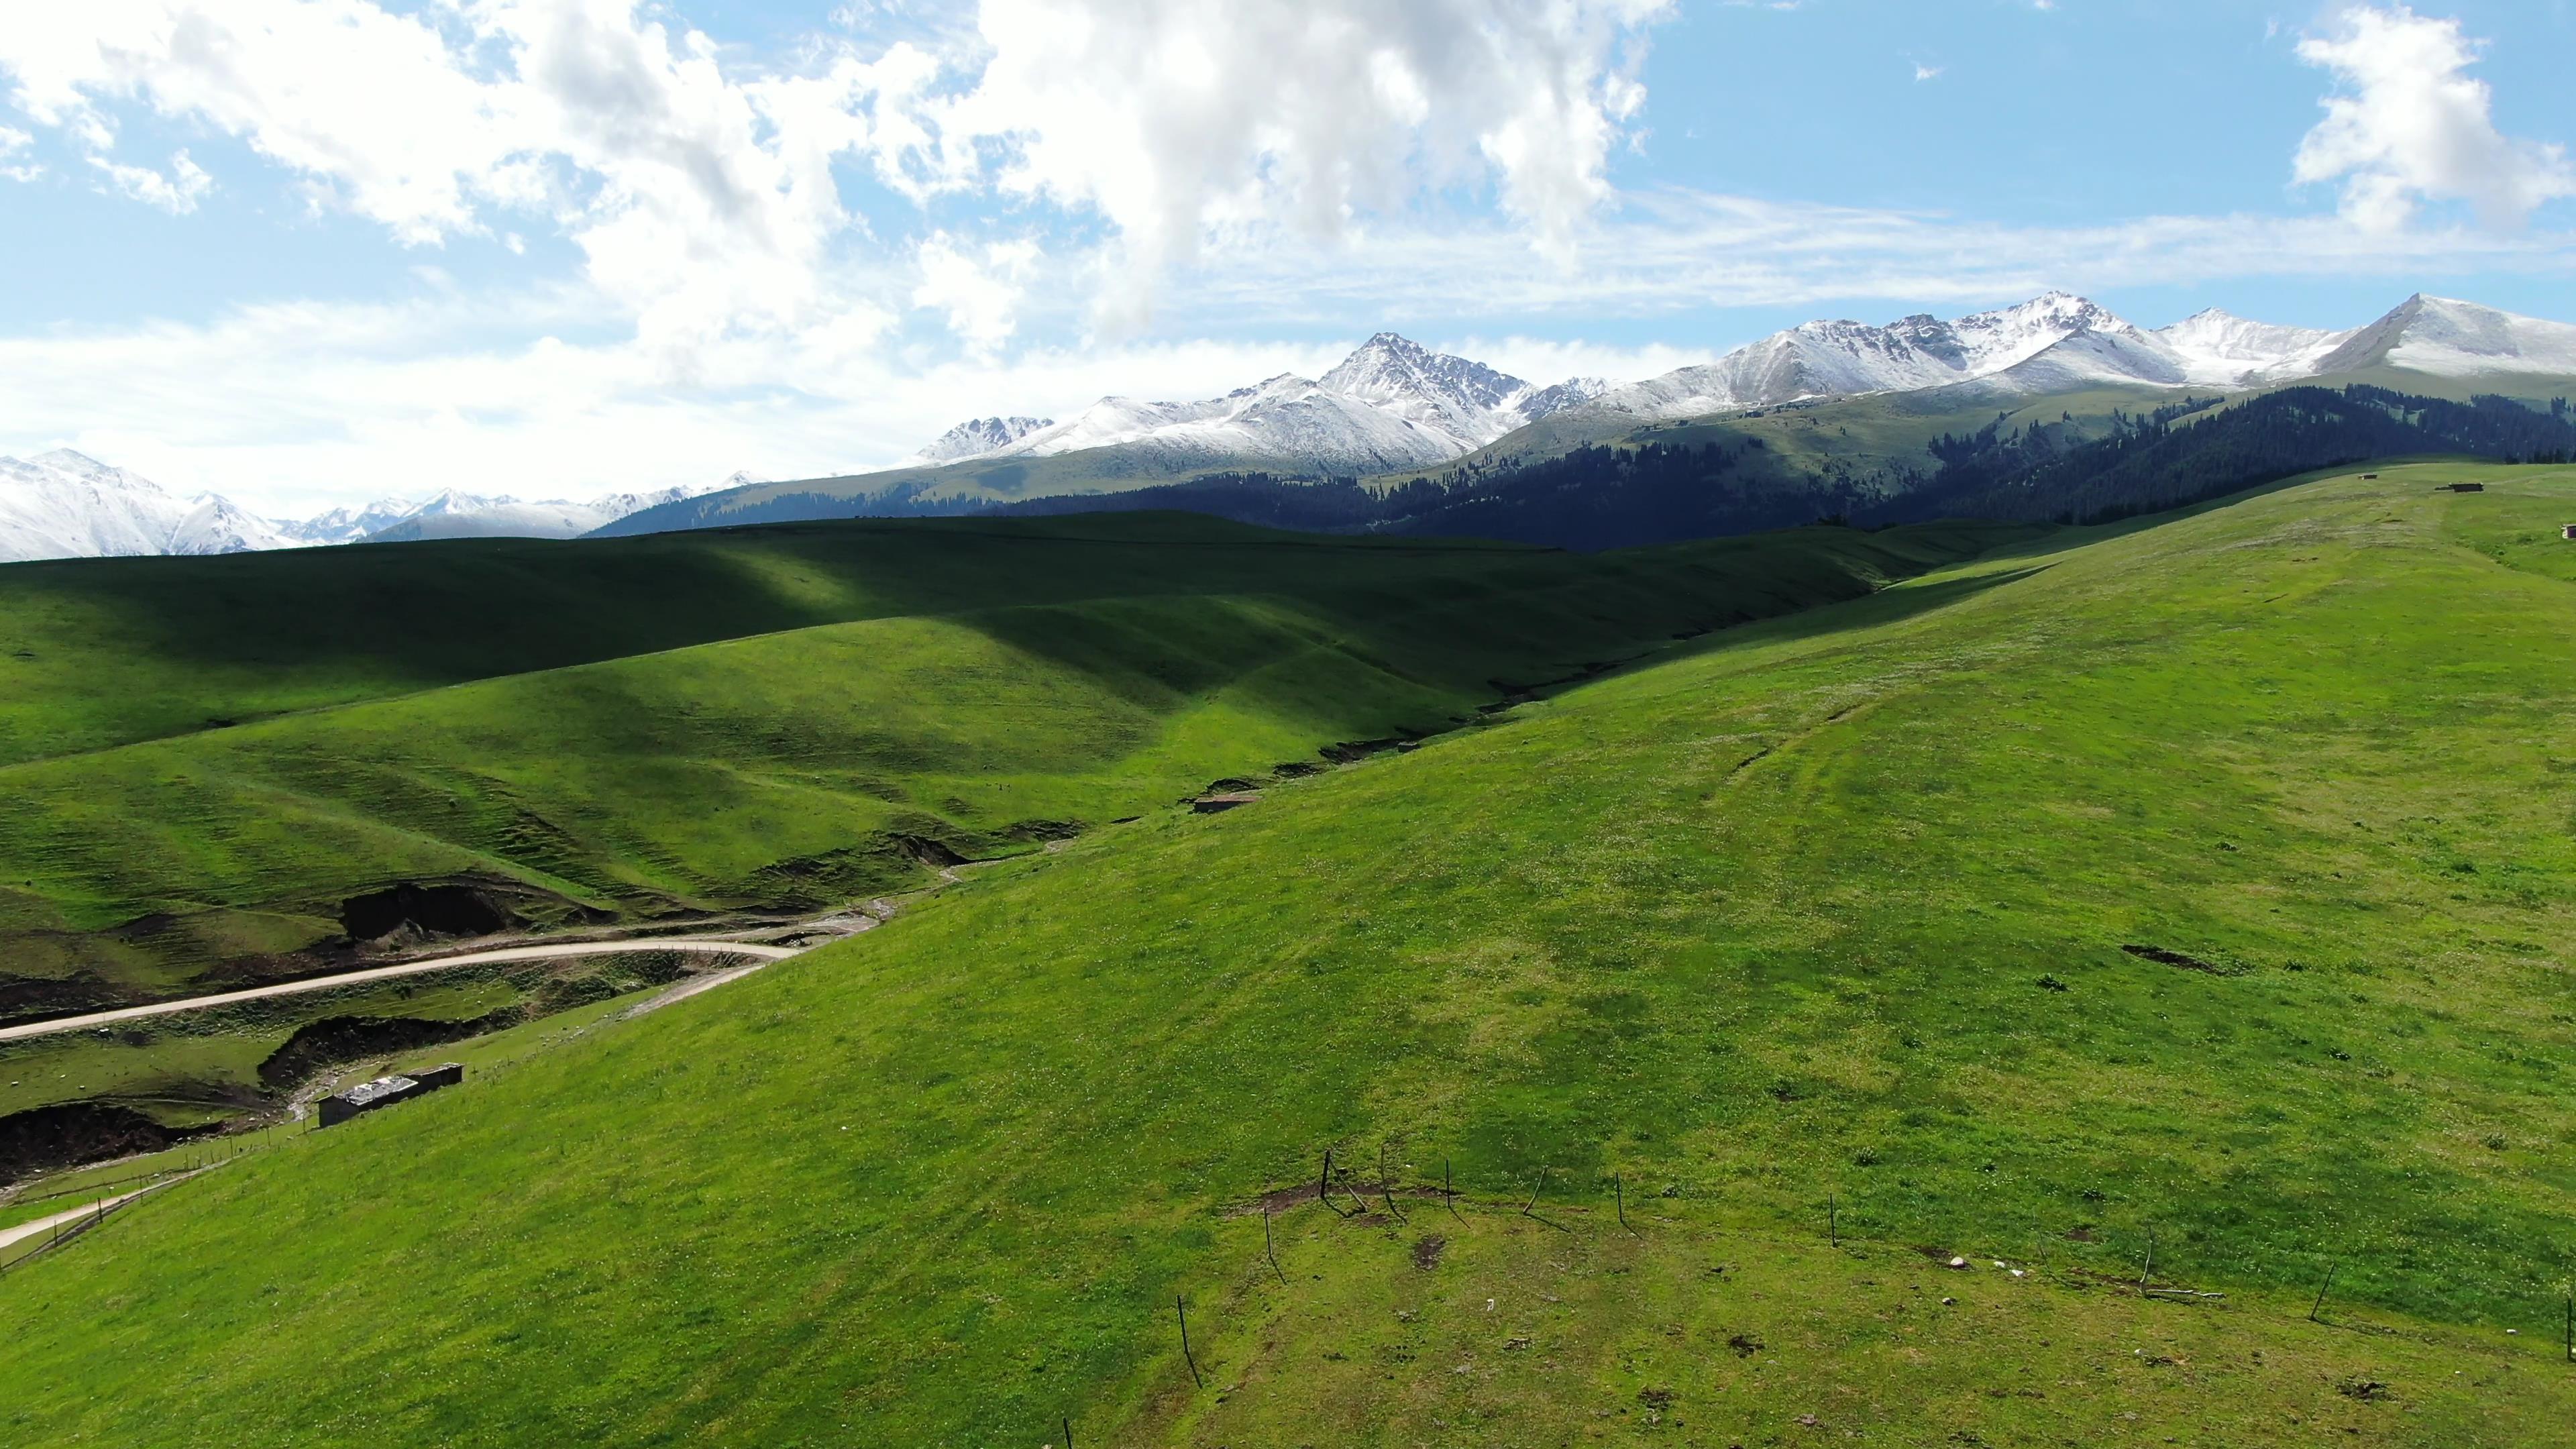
pixel 99 1207
pixel 700 945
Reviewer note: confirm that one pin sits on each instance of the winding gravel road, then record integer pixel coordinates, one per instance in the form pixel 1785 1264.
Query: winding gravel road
pixel 699 945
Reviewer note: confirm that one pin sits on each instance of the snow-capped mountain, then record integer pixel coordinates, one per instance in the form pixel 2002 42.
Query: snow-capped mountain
pixel 1465 400
pixel 218 525
pixel 2456 339
pixel 975 438
pixel 348 525
pixel 455 514
pixel 63 504
pixel 1391 404
pixel 2062 343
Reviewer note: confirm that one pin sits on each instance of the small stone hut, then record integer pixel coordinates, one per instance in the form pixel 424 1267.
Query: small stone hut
pixel 385 1091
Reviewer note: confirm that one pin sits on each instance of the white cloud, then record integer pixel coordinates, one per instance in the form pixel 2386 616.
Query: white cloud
pixel 2415 126
pixel 700 203
pixel 978 288
pixel 702 197
pixel 293 407
pixel 13 141
pixel 1179 120
pixel 175 193
pixel 1924 72
pixel 1197 152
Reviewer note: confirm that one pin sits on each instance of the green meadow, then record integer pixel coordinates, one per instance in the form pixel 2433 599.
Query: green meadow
pixel 720 721
pixel 2199 890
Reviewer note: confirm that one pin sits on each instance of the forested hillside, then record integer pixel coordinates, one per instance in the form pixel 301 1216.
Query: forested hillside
pixel 2062 469
pixel 2186 454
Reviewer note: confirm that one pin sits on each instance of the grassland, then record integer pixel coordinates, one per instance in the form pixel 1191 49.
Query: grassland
pixel 1833 907
pixel 978 685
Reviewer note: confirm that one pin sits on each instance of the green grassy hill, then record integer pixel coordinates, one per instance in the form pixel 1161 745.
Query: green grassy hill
pixel 926 687
pixel 2212 880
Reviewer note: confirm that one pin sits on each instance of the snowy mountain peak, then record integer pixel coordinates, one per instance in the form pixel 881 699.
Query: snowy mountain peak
pixel 348 525
pixel 1392 403
pixel 2451 338
pixel 87 469
pixel 2220 347
pixel 1393 369
pixel 976 437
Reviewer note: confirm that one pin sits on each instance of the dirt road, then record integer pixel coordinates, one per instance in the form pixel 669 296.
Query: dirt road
pixel 696 945
pixel 96 1208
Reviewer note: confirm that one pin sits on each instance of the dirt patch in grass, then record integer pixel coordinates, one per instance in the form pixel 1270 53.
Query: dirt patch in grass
pixel 335 1040
pixel 1427 1251
pixel 449 909
pixel 73 1133
pixel 2163 957
pixel 30 998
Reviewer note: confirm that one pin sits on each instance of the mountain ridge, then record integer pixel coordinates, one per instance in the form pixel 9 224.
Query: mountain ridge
pixel 1390 406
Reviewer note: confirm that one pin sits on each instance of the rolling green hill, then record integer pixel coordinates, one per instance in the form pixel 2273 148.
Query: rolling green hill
pixel 923 692
pixel 2212 880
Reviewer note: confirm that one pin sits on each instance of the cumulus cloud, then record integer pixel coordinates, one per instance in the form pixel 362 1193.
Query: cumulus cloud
pixel 702 195
pixel 1179 120
pixel 2413 125
pixel 701 203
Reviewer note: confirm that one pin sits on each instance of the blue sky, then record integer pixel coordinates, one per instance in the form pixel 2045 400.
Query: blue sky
pixel 312 251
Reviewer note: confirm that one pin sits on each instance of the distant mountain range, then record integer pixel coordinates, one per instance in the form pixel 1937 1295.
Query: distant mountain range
pixel 2061 343
pixel 1391 404
pixel 64 504
pixel 1394 409
pixel 1394 404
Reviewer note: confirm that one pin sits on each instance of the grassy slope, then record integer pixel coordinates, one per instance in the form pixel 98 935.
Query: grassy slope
pixel 100 652
pixel 1742 930
pixel 1072 671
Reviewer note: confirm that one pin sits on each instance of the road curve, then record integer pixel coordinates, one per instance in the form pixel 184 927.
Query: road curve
pixel 698 945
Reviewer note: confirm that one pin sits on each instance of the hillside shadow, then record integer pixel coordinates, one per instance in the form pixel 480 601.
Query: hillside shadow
pixel 1888 606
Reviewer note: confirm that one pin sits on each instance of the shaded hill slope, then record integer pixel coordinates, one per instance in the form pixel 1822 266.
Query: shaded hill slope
pixel 1047 678
pixel 102 652
pixel 1840 904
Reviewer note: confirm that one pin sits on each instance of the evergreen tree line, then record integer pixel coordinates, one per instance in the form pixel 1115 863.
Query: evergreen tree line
pixel 1594 497
pixel 2151 464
